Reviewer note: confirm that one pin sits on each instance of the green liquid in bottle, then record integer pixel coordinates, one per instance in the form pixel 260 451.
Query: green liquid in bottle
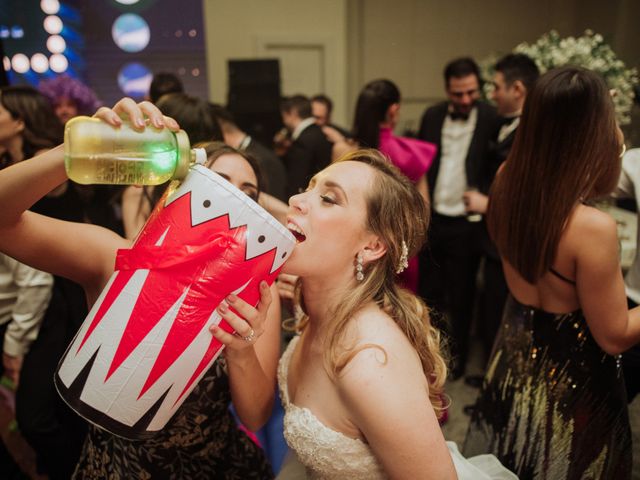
pixel 97 153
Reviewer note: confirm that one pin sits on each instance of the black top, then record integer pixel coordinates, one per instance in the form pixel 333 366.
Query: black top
pixel 272 168
pixel 487 126
pixel 308 154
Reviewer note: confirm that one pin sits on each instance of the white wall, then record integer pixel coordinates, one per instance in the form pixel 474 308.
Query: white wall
pixel 239 29
pixel 407 41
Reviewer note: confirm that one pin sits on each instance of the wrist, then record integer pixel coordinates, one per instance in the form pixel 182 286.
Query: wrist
pixel 240 357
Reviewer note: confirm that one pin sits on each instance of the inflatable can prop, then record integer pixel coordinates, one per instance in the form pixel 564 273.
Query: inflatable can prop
pixel 146 342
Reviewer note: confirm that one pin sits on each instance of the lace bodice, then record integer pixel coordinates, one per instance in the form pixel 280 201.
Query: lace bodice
pixel 326 453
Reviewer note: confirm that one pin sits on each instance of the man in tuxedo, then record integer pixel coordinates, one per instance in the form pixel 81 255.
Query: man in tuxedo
pixel 514 77
pixel 322 107
pixel 310 151
pixel 462 128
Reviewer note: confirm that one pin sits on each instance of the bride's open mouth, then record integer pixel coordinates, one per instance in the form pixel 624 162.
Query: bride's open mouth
pixel 297 232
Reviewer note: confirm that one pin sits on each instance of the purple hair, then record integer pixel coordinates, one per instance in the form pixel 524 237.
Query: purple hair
pixel 65 86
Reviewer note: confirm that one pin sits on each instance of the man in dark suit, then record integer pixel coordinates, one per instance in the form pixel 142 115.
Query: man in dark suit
pixel 462 128
pixel 322 107
pixel 514 77
pixel 310 151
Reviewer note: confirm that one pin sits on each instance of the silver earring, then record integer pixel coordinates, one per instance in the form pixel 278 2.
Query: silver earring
pixel 359 274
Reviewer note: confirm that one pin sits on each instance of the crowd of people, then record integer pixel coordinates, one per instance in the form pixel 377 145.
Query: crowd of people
pixel 393 234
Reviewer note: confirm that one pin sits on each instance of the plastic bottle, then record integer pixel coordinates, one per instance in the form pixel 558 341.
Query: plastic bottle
pixel 98 153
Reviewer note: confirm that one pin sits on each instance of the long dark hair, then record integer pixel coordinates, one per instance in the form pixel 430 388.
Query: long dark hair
pixel 566 151
pixel 42 128
pixel 371 110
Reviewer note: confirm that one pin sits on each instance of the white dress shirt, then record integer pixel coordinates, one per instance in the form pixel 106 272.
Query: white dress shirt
pixel 629 187
pixel 452 177
pixel 24 297
pixel 301 127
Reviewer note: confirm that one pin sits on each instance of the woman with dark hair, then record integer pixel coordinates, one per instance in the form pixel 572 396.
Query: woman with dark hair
pixel 28 126
pixel 201 440
pixel 377 112
pixel 553 403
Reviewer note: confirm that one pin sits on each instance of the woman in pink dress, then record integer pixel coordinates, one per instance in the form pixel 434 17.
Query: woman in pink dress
pixel 377 112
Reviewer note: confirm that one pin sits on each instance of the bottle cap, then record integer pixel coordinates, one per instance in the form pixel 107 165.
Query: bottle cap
pixel 200 156
pixel 184 155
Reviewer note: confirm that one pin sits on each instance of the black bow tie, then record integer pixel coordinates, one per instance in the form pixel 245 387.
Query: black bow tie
pixel 458 116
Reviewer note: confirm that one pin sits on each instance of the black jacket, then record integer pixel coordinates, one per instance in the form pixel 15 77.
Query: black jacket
pixel 307 155
pixel 486 130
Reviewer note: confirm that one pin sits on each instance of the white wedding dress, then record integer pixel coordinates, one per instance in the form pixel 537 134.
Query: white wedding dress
pixel 328 454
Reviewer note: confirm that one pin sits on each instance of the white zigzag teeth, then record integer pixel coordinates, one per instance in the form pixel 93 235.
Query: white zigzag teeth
pixel 213 197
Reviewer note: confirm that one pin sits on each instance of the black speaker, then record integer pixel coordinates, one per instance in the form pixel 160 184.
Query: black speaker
pixel 254 97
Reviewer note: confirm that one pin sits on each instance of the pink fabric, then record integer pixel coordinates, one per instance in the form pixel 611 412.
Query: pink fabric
pixel 413 158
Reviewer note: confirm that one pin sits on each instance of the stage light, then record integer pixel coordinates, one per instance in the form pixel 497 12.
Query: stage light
pixel 134 79
pixel 5 32
pixel 58 63
pixel 50 7
pixel 17 31
pixel 6 63
pixel 52 25
pixel 20 62
pixel 56 44
pixel 39 63
pixel 131 32
pixel 127 2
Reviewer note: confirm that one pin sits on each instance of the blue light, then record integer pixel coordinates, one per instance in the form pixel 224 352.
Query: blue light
pixel 70 35
pixel 17 31
pixel 4 31
pixel 68 13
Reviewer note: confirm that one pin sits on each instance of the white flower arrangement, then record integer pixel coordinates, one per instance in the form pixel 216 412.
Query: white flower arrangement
pixel 588 51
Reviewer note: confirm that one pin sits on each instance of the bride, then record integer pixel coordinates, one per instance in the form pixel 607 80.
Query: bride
pixel 362 383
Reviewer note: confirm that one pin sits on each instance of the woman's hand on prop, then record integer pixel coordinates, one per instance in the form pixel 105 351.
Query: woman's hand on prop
pixel 247 321
pixel 138 114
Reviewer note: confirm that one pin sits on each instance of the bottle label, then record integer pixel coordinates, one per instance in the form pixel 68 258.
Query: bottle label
pixel 122 172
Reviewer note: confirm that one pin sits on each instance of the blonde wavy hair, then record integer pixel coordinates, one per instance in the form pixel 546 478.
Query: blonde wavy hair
pixel 396 212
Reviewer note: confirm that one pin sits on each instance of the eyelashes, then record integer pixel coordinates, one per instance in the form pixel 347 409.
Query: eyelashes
pixel 328 199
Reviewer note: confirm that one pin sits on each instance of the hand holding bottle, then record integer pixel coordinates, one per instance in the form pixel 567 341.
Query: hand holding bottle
pixel 108 150
pixel 138 115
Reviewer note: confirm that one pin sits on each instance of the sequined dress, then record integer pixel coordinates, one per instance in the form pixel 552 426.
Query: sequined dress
pixel 201 441
pixel 553 404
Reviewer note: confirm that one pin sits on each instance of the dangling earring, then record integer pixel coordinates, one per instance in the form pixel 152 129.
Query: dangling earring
pixel 359 274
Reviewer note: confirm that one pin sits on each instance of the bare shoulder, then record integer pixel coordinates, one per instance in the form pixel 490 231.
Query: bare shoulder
pixel 588 225
pixel 379 351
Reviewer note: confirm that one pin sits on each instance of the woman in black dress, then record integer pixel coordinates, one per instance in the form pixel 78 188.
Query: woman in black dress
pixel 553 404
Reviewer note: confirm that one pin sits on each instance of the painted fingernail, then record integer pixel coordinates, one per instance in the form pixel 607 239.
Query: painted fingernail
pixel 222 308
pixel 264 284
pixel 231 298
pixel 139 122
pixel 158 122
